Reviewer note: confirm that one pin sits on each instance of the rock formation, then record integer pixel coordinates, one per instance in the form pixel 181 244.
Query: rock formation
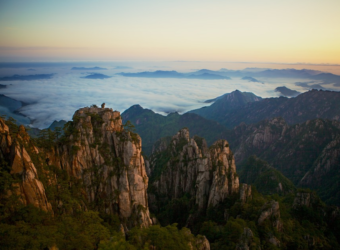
pixel 14 155
pixel 307 154
pixel 305 199
pixel 201 243
pixel 187 166
pixel 245 239
pixel 97 150
pixel 324 166
pixel 271 211
pixel 245 192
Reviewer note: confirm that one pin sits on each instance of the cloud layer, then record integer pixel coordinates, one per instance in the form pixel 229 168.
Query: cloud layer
pixel 58 98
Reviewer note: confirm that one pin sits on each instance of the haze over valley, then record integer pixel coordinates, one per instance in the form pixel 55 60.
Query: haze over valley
pixel 54 90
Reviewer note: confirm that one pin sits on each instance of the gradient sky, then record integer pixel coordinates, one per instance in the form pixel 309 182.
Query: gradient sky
pixel 245 30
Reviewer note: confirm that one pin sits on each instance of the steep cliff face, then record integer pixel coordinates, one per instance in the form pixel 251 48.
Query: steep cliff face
pixel 255 139
pixel 108 159
pixel 188 167
pixel 96 150
pixel 14 156
pixel 326 167
pixel 225 181
pixel 307 154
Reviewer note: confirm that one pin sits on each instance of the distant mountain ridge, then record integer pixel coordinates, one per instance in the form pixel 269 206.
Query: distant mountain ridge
pixel 88 68
pixel 96 76
pixel 26 77
pixel 249 74
pixel 152 126
pixel 287 92
pixel 174 74
pixel 307 106
pixel 226 103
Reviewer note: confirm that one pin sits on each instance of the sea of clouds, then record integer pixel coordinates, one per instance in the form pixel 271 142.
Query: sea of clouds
pixel 58 98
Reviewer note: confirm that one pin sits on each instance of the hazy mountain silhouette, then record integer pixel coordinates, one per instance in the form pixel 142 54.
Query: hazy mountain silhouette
pixel 175 74
pixel 96 76
pixel 26 77
pixel 90 68
pixel 286 91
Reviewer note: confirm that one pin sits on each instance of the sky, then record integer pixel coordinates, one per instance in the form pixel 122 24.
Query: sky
pixel 290 31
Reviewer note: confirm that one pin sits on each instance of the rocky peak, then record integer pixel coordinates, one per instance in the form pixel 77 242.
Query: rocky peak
pixel 225 180
pixel 30 189
pixel 108 159
pixel 182 134
pixel 187 166
pixel 111 120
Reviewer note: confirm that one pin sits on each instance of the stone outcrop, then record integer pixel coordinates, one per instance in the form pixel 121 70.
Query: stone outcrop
pixel 275 241
pixel 245 240
pixel 304 199
pixel 271 211
pixel 187 166
pixel 225 180
pixel 200 243
pixel 97 150
pixel 245 192
pixel 108 159
pixel 14 154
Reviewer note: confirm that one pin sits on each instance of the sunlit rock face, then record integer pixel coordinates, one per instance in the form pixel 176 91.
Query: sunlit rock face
pixel 14 156
pixel 97 150
pixel 108 159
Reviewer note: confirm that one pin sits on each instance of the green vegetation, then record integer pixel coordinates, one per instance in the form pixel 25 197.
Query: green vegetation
pixel 151 126
pixel 154 237
pixel 311 147
pixel 265 178
pixel 299 228
pixel 77 223
pixel 234 222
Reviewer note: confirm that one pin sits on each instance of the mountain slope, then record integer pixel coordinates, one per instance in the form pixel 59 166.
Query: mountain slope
pixel 265 178
pixel 152 126
pixel 306 153
pixel 225 104
pixel 85 189
pixel 307 106
pixel 198 187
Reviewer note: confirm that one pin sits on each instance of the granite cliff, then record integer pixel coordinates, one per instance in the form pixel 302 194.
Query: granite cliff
pixel 15 158
pixel 95 150
pixel 307 153
pixel 188 168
